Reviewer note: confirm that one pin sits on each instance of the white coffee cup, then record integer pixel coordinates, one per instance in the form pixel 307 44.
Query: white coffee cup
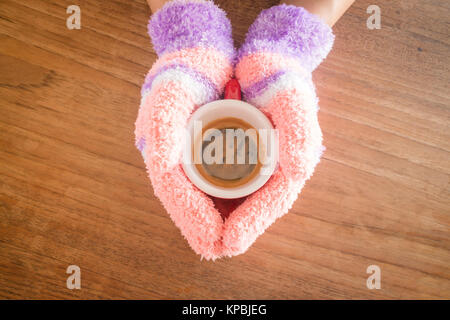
pixel 236 109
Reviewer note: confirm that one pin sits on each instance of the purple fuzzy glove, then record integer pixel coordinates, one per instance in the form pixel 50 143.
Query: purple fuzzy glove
pixel 193 41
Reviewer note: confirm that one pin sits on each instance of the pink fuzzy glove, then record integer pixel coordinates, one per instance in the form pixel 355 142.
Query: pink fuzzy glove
pixel 193 41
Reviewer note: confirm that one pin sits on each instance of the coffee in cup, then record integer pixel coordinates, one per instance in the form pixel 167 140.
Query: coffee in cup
pixel 230 130
pixel 229 152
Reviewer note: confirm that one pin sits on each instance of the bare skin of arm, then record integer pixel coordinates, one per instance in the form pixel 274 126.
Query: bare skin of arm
pixel 155 5
pixel 329 10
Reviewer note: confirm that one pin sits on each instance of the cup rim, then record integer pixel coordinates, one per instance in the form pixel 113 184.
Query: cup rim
pixel 220 107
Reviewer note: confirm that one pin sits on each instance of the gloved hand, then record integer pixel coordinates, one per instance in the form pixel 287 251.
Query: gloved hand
pixel 193 41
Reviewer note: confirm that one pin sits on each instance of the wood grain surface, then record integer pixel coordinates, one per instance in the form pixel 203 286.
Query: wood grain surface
pixel 74 190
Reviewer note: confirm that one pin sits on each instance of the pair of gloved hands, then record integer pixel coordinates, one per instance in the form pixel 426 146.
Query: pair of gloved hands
pixel 196 59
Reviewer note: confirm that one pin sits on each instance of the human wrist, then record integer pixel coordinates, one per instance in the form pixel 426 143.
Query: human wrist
pixel 329 11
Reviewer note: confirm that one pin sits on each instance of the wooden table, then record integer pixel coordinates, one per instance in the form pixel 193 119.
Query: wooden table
pixel 74 190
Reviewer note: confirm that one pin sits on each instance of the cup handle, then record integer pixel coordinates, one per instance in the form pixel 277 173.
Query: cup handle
pixel 233 90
